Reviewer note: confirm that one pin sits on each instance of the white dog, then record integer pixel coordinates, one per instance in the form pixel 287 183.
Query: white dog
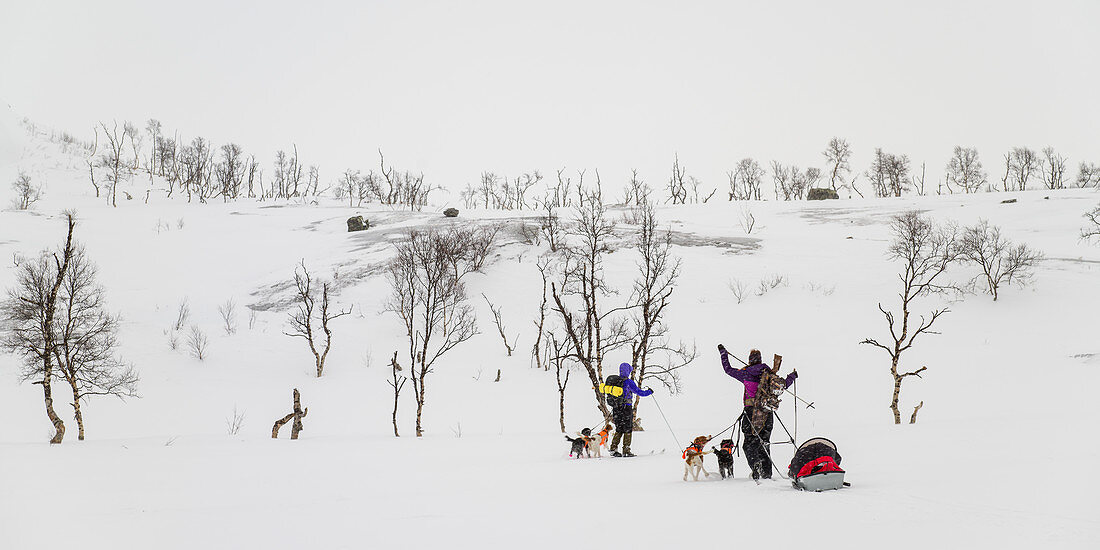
pixel 693 458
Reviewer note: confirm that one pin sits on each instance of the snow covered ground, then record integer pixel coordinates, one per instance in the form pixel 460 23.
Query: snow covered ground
pixel 999 458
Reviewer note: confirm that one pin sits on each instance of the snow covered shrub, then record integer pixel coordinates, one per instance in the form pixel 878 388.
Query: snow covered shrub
pixel 1001 261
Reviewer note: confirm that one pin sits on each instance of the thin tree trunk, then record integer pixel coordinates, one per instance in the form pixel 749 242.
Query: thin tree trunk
pixel 894 401
pixel 47 391
pixel 561 410
pixel 76 411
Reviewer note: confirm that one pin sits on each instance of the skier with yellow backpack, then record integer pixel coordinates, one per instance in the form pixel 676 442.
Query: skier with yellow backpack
pixel 619 390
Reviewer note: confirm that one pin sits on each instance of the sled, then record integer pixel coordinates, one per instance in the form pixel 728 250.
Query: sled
pixel 823 481
pixel 816 466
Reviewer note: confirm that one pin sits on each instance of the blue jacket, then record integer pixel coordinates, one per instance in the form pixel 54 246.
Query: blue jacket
pixel 629 386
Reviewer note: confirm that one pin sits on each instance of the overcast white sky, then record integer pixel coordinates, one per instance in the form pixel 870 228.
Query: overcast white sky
pixel 452 89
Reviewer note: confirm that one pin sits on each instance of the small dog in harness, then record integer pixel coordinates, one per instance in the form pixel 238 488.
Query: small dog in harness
pixel 693 458
pixel 725 457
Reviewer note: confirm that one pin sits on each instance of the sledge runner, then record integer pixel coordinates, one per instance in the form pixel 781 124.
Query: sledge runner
pixel 619 391
pixel 757 420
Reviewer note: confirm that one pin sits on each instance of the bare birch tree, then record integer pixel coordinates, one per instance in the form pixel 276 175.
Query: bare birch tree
pixel 30 324
pixel 837 154
pixel 591 329
pixel 965 170
pixel 429 296
pixel 303 322
pixel 925 251
pixel 658 273
pixel 87 340
pixel 1001 262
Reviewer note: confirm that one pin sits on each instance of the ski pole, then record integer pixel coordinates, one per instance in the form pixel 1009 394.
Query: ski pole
pixel 796 409
pixel 666 423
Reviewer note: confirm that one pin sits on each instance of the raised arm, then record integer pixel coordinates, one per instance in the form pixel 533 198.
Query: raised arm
pixel 736 373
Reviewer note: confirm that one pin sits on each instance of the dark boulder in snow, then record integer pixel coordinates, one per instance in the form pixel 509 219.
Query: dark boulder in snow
pixel 357 223
pixel 451 212
pixel 1008 201
pixel 821 193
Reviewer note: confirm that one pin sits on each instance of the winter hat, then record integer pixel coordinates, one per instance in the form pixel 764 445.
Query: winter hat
pixel 754 357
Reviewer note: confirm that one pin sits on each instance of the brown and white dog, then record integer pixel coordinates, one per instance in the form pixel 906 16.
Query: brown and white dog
pixel 599 441
pixel 693 458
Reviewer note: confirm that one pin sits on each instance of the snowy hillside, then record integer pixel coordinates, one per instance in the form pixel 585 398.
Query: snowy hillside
pixel 998 458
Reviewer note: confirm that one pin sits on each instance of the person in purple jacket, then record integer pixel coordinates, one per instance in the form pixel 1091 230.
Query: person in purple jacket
pixel 757 438
pixel 618 391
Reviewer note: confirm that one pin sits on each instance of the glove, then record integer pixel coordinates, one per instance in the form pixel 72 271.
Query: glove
pixel 795 373
pixel 647 388
pixel 721 347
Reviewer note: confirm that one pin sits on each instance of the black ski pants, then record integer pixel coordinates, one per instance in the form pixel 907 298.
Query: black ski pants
pixel 757 444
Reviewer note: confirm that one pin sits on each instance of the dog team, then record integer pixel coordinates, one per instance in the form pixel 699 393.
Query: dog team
pixel 761 387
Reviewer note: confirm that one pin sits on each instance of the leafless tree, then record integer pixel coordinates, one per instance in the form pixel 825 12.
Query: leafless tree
pixel 87 339
pixel 745 180
pixel 92 161
pixel 1000 261
pixel 888 173
pixel 183 313
pixel 737 288
pixel 590 330
pixel 134 134
pixel 153 128
pixel 26 191
pixel 1088 174
pixel 1021 164
pixel 781 176
pixel 965 170
pixel 112 160
pixel 543 264
pixel 303 322
pixel 1053 168
pixel 658 272
pixel 550 226
pixel 837 154
pixel 747 220
pixel 677 183
pixel 397 382
pixel 555 352
pixel 228 311
pixel 230 171
pixel 925 251
pixel 637 191
pixel 429 296
pixel 30 324
pixel 197 343
pixel 297 414
pixel 917 182
pixel 1092 230
pixel 500 326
